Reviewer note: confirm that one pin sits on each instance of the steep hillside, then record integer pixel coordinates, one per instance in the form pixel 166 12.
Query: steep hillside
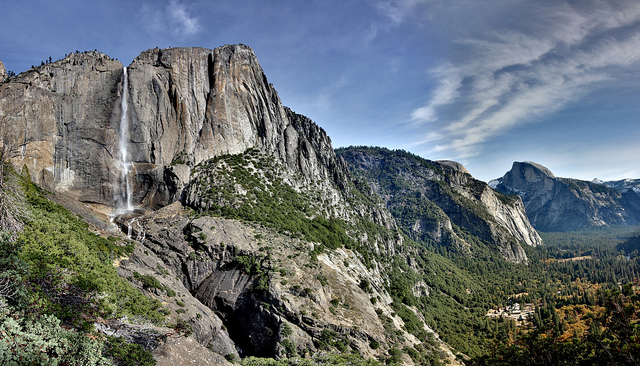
pixel 247 227
pixel 439 202
pixel 62 300
pixel 561 204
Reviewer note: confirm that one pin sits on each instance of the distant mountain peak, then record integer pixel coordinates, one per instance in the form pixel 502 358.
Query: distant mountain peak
pixel 561 204
pixel 544 170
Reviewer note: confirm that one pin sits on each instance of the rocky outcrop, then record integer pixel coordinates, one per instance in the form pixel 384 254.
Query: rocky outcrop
pixel 263 286
pixel 193 104
pixel 561 204
pixel 430 200
pixel 3 72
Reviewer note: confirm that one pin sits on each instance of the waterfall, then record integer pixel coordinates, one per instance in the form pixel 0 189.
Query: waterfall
pixel 126 180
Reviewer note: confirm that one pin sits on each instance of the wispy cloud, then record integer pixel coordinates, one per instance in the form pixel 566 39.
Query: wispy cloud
pixel 324 99
pixel 556 54
pixel 392 13
pixel 181 22
pixel 173 16
pixel 398 10
pixel 445 93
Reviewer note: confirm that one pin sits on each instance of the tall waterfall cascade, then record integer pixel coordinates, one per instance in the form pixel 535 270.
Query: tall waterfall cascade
pixel 124 190
pixel 125 212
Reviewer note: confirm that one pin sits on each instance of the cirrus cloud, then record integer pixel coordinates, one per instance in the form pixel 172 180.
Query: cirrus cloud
pixel 558 53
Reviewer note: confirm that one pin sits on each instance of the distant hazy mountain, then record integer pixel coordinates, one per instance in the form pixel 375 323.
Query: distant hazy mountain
pixel 562 204
pixel 621 185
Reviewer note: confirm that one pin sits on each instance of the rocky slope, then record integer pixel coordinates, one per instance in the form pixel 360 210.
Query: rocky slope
pixel 440 202
pixel 561 204
pixel 274 299
pixel 205 127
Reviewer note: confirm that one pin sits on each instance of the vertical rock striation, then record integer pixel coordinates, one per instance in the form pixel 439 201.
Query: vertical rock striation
pixel 58 121
pixel 193 104
pixel 3 72
pixel 187 105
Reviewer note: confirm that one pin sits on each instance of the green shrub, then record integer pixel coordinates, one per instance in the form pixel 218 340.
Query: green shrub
pixel 323 279
pixel 395 356
pixel 148 281
pixel 231 358
pixel 364 285
pixel 286 330
pixel 42 341
pixel 289 348
pixel 183 327
pixel 53 238
pixel 128 354
pixel 170 292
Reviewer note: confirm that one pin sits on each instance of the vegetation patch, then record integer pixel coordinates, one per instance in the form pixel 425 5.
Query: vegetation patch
pixel 250 187
pixel 62 279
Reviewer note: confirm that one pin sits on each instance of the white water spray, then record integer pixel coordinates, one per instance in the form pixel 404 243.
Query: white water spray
pixel 140 236
pixel 126 180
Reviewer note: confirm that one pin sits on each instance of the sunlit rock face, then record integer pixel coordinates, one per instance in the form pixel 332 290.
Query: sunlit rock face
pixel 3 72
pixel 62 121
pixel 58 120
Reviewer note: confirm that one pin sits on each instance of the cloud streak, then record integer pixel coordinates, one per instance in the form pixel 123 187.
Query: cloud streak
pixel 519 74
pixel 398 10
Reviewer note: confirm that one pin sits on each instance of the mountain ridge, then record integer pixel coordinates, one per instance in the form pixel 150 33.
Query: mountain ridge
pixel 200 116
pixel 451 196
pixel 562 204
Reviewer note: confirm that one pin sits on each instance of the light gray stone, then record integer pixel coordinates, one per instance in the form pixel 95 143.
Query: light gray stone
pixel 560 204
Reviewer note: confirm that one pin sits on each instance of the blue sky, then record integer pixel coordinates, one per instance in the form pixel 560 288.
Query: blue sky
pixel 484 83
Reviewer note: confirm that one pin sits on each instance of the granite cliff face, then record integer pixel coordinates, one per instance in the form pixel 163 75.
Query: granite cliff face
pixel 3 72
pixel 186 105
pixel 58 121
pixel 561 204
pixel 433 200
